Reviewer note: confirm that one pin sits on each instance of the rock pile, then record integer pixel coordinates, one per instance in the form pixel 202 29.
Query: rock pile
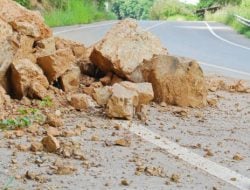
pixel 127 69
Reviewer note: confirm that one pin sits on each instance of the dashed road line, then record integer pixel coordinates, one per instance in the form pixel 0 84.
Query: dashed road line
pixel 223 39
pixel 155 26
pixel 188 156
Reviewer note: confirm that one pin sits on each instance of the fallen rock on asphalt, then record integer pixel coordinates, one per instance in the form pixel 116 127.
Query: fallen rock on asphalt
pixel 144 91
pixel 177 81
pixel 54 120
pixel 50 143
pixel 101 95
pixel 124 48
pixel 82 101
pixel 122 102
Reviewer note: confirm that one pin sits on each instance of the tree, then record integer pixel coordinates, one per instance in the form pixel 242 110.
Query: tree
pixel 209 3
pixel 137 9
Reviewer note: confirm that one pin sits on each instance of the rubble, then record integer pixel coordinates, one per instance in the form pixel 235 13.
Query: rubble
pixel 126 51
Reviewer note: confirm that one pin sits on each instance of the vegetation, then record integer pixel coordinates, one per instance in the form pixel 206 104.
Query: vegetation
pixel 26 116
pixel 138 9
pixel 172 10
pixel 226 15
pixel 209 3
pixel 76 12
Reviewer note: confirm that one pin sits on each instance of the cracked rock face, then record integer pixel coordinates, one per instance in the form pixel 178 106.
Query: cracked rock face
pixel 124 48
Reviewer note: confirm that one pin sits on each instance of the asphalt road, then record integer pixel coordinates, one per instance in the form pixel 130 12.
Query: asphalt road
pixel 217 47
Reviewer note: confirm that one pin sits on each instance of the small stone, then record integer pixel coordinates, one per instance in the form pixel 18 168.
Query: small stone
pixel 175 178
pixel 19 133
pixel 95 138
pixel 53 132
pixel 238 157
pixel 123 142
pixel 65 169
pixel 36 147
pixel 54 120
pixel 50 143
pixel 124 182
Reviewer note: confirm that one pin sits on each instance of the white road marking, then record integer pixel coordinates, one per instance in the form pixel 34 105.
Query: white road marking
pixel 154 26
pixel 188 156
pixel 223 39
pixel 225 69
pixel 84 27
pixel 203 27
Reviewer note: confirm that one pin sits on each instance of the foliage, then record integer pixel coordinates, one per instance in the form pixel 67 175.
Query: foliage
pixel 25 3
pixel 226 16
pixel 165 9
pixel 25 119
pixel 209 3
pixel 76 12
pixel 137 9
pixel 46 102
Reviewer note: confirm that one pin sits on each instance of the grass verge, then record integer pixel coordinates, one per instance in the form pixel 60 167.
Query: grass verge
pixel 76 12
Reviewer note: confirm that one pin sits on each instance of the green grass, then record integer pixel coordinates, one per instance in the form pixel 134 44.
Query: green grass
pixel 76 12
pixel 226 16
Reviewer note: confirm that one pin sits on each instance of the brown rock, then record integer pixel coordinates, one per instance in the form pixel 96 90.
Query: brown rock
pixel 50 143
pixel 23 73
pixel 122 102
pixel 37 90
pixel 106 80
pixel 123 142
pixel 91 89
pixel 81 101
pixel 238 157
pixel 36 147
pixel 27 22
pixel 66 169
pixel 53 132
pixel 124 48
pixel 78 49
pixel 70 80
pixel 240 86
pixel 116 79
pixel 54 121
pixel 176 81
pixel 45 47
pixel 102 95
pixel 144 90
pixel 57 64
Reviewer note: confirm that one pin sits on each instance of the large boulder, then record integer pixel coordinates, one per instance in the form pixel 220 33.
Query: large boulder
pixel 24 21
pixel 175 80
pixel 22 74
pixel 122 102
pixel 57 64
pixel 124 48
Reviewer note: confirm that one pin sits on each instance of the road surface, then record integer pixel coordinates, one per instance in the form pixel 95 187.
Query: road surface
pixel 217 47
